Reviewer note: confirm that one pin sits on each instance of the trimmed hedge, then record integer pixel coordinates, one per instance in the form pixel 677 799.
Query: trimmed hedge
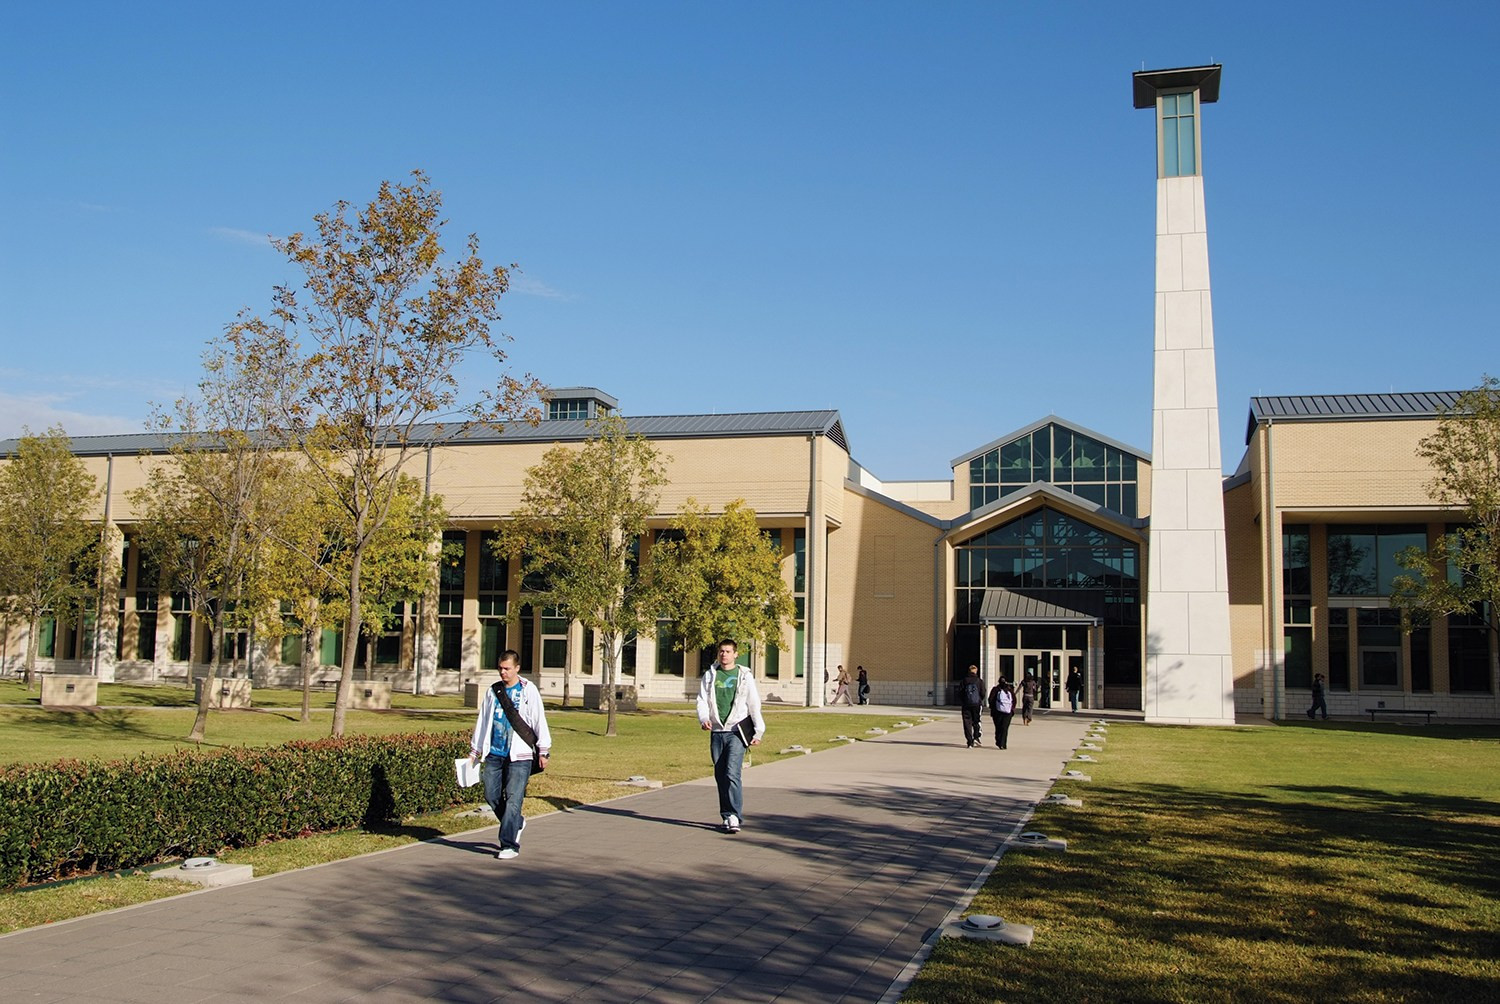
pixel 73 817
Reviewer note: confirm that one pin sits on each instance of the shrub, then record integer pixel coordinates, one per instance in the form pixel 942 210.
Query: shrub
pixel 75 817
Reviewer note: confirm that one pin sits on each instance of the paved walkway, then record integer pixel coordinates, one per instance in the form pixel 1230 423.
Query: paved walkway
pixel 848 860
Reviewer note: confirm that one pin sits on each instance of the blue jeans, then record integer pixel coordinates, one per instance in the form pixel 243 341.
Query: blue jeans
pixel 728 753
pixel 505 790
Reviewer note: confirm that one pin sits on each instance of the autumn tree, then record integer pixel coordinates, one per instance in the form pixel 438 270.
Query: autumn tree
pixel 49 534
pixel 576 533
pixel 720 577
pixel 376 334
pixel 207 511
pixel 1460 573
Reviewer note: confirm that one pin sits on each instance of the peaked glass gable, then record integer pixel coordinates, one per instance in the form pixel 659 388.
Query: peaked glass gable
pixel 1055 453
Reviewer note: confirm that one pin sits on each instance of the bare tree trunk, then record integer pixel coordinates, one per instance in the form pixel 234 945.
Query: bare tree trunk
pixel 607 678
pixel 351 642
pixel 33 642
pixel 309 660
pixel 206 695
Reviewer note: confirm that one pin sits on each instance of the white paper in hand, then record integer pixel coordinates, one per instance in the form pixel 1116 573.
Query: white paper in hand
pixel 467 772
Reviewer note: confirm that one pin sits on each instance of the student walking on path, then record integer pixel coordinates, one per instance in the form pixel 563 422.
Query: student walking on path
pixel 729 710
pixel 864 686
pixel 971 699
pixel 510 738
pixel 1030 687
pixel 1002 703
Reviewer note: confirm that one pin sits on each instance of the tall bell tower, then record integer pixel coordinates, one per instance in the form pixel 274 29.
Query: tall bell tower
pixel 1189 674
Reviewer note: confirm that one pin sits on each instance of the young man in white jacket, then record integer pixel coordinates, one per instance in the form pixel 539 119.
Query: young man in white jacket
pixel 728 705
pixel 507 758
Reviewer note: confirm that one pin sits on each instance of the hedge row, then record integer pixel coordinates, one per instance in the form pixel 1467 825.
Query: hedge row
pixel 73 817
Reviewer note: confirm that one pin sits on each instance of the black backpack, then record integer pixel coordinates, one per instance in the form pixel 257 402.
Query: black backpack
pixel 973 692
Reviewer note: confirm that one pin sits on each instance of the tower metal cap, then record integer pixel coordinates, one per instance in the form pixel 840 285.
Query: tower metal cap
pixel 1147 83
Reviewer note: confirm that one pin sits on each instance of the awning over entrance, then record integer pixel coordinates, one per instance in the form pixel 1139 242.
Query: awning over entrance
pixel 1003 606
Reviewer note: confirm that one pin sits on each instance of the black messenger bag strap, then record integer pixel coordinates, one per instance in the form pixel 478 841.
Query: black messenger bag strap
pixel 526 732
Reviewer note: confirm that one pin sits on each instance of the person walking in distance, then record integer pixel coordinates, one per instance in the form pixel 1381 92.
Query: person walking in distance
pixel 863 681
pixel 1319 698
pixel 1002 705
pixel 510 738
pixel 1030 687
pixel 971 701
pixel 841 692
pixel 1074 686
pixel 729 710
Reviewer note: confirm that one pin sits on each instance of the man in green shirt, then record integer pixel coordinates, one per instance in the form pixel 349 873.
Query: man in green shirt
pixel 729 710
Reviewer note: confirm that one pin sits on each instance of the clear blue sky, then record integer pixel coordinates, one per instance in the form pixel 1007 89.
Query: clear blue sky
pixel 936 218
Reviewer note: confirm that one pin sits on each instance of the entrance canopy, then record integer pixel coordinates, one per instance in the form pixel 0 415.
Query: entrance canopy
pixel 1004 606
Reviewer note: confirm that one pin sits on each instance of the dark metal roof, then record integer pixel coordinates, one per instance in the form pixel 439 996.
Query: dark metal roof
pixel 1004 606
pixel 1148 83
pixel 1324 407
pixel 769 423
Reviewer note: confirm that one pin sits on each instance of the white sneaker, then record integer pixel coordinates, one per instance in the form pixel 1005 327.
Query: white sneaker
pixel 506 853
pixel 731 823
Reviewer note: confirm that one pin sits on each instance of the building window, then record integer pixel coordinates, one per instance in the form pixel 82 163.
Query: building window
pixel 1421 660
pixel 1179 134
pixel 1056 454
pixel 494 576
pixel 669 653
pixel 1468 655
pixel 1338 649
pixel 1077 565
pixel 1297 635
pixel 1362 559
pixel 1379 648
pixel 451 574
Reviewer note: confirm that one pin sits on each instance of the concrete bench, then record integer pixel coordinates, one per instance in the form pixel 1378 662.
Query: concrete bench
pixel 1400 711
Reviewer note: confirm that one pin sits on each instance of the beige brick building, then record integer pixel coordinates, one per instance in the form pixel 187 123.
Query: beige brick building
pixel 1030 558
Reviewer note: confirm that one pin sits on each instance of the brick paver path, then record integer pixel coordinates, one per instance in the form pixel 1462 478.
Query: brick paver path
pixel 848 859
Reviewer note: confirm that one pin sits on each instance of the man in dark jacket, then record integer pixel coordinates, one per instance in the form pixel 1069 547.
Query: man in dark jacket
pixel 971 700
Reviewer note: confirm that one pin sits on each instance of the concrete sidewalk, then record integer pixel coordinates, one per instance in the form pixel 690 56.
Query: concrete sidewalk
pixel 848 859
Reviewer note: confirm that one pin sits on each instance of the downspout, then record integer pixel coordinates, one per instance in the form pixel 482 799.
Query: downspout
pixel 939 618
pixel 814 530
pixel 109 480
pixel 416 669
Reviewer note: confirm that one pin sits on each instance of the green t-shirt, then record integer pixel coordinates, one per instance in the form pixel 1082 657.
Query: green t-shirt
pixel 726 683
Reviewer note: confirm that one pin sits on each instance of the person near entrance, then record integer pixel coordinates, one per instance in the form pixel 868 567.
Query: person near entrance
pixel 1319 698
pixel 1074 687
pixel 1030 687
pixel 971 699
pixel 1002 705
pixel 510 737
pixel 729 710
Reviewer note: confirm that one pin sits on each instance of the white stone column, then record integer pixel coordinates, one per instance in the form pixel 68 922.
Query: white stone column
pixel 1189 674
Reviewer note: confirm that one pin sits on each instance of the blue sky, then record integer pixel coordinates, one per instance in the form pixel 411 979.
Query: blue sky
pixel 936 218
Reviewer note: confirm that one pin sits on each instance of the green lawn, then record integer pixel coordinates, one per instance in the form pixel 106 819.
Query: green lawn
pixel 1300 863
pixel 661 745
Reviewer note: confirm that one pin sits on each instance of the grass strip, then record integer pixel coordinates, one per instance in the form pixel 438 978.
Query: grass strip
pixel 1276 864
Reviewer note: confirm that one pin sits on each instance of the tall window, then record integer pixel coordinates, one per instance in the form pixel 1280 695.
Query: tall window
pixel 1077 463
pixel 1468 654
pixel 451 575
pixel 1296 587
pixel 494 575
pixel 1179 135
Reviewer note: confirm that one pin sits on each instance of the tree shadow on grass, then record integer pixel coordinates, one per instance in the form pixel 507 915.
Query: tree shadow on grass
pixel 1414 729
